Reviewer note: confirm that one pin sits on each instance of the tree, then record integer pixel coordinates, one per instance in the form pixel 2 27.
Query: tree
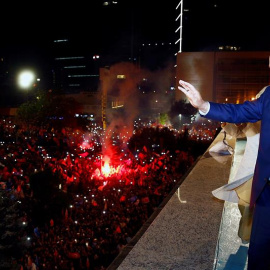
pixel 155 139
pixel 164 118
pixel 183 109
pixel 45 108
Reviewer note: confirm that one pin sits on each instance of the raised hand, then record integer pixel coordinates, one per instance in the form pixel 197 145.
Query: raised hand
pixel 193 96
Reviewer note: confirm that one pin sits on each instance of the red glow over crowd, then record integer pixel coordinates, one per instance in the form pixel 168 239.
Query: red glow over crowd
pixel 114 184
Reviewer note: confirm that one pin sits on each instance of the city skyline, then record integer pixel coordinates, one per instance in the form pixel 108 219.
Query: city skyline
pixel 50 20
pixel 122 27
pixel 98 27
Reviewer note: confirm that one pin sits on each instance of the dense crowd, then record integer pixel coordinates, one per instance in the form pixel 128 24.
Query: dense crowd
pixel 106 209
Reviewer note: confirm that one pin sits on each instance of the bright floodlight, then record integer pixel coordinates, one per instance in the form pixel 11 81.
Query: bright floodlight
pixel 26 79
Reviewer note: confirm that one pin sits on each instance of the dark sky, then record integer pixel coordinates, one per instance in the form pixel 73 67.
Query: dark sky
pixel 90 21
pixel 28 28
pixel 226 22
pixel 35 24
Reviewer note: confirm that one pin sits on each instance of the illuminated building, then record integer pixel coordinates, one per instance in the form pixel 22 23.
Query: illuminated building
pixel 74 72
pixel 224 76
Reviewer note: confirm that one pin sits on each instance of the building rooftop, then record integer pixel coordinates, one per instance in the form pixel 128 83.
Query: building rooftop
pixel 192 229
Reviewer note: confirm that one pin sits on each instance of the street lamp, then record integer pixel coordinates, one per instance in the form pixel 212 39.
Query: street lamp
pixel 26 79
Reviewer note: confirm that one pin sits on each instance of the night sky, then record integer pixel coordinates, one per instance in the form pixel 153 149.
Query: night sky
pixel 27 30
pixel 238 23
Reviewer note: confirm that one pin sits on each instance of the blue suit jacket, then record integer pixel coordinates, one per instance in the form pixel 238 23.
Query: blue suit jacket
pixel 250 111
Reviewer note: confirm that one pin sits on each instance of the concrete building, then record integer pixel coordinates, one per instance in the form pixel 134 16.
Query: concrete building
pixel 224 76
pixel 73 72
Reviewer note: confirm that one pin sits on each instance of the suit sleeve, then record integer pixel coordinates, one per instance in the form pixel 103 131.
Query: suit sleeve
pixel 249 111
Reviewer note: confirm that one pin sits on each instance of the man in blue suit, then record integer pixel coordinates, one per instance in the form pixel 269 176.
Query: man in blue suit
pixel 249 111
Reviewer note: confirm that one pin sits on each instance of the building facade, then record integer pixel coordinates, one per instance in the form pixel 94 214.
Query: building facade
pixel 73 72
pixel 224 76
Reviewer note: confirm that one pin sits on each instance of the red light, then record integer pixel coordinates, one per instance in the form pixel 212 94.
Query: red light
pixel 106 169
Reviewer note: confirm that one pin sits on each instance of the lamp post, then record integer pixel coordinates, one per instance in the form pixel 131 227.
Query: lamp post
pixel 26 79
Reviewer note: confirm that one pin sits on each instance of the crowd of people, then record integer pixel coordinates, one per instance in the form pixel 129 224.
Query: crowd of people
pixel 106 209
